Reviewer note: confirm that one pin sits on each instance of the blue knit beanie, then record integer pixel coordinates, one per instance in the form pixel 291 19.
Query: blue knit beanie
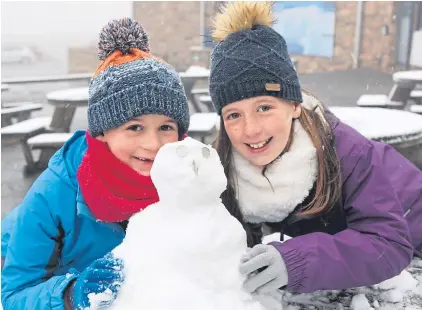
pixel 251 59
pixel 131 82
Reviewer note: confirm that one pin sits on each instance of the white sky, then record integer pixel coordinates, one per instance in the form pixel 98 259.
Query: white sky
pixel 58 22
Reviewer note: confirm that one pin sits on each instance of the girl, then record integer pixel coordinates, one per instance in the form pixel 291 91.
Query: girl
pixel 352 206
pixel 56 242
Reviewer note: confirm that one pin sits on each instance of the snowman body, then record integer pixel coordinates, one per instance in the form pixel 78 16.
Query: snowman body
pixel 184 251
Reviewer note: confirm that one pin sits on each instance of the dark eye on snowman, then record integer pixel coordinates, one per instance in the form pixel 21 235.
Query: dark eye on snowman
pixel 206 152
pixel 182 151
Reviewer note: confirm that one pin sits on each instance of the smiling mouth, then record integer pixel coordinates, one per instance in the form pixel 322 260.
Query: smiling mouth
pixel 259 145
pixel 144 159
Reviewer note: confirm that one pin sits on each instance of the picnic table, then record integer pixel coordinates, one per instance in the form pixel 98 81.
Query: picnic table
pixel 401 129
pixel 405 82
pixel 189 80
pixel 66 102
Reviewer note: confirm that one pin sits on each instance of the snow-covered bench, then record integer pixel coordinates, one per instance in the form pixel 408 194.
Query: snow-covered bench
pixel 200 91
pixel 378 101
pixel 416 108
pixel 203 125
pixel 49 143
pixel 53 140
pixel 416 95
pixel 206 100
pixel 195 94
pixel 24 130
pixel 20 111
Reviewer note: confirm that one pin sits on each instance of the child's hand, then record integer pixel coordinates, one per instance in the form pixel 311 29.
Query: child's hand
pixel 265 269
pixel 105 275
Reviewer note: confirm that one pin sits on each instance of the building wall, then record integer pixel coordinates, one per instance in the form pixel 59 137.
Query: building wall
pixel 343 43
pixel 377 49
pixel 173 28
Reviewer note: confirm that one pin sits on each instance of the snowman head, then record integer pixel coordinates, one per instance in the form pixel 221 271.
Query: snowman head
pixel 188 170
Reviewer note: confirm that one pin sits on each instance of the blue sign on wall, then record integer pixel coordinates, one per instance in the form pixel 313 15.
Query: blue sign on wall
pixel 307 26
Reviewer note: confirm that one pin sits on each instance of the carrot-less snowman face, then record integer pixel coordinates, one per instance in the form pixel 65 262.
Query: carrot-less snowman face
pixel 188 170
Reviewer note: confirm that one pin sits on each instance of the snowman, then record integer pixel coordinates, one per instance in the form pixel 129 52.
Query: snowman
pixel 184 251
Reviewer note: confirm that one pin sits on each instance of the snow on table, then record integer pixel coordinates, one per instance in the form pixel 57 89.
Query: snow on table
pixel 376 101
pixel 403 292
pixel 69 95
pixel 381 124
pixel 408 76
pixel 196 70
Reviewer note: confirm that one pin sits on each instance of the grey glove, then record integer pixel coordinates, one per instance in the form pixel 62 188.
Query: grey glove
pixel 265 269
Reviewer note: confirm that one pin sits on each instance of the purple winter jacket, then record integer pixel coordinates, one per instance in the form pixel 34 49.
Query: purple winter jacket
pixel 382 198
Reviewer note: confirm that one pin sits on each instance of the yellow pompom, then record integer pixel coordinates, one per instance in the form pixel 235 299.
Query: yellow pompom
pixel 242 15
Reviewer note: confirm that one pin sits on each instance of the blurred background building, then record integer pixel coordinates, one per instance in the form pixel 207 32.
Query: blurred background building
pixel 321 36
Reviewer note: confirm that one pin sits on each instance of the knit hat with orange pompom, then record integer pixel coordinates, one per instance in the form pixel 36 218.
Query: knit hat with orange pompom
pixel 131 82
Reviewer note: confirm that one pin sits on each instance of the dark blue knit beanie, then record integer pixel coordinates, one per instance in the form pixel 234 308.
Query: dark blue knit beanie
pixel 251 58
pixel 131 82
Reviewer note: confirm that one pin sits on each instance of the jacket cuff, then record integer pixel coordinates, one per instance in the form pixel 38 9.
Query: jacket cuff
pixel 295 264
pixel 69 303
pixel 57 296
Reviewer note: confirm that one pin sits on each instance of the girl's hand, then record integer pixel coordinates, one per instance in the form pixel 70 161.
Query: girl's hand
pixel 265 269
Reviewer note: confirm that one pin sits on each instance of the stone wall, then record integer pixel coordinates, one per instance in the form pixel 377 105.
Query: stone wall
pixel 378 49
pixel 174 29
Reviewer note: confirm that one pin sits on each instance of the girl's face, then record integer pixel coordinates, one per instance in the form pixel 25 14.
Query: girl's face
pixel 259 127
pixel 137 142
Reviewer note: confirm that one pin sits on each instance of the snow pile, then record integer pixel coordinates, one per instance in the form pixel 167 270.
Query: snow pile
pixel 184 251
pixel 359 302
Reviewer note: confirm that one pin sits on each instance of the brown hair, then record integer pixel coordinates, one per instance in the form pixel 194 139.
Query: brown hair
pixel 328 182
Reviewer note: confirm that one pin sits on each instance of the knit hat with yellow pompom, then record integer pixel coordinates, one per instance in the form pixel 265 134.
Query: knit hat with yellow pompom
pixel 131 82
pixel 251 58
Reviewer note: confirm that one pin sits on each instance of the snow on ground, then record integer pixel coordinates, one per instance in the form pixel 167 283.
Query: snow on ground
pixel 403 292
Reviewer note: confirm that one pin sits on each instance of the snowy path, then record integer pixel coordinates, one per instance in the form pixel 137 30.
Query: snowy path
pixel 402 292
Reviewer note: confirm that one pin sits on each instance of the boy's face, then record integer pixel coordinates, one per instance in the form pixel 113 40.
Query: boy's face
pixel 137 142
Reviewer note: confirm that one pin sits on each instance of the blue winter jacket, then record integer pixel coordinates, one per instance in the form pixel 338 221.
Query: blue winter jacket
pixel 51 231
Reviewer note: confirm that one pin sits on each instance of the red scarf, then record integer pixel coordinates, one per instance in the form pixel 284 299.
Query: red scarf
pixel 112 190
